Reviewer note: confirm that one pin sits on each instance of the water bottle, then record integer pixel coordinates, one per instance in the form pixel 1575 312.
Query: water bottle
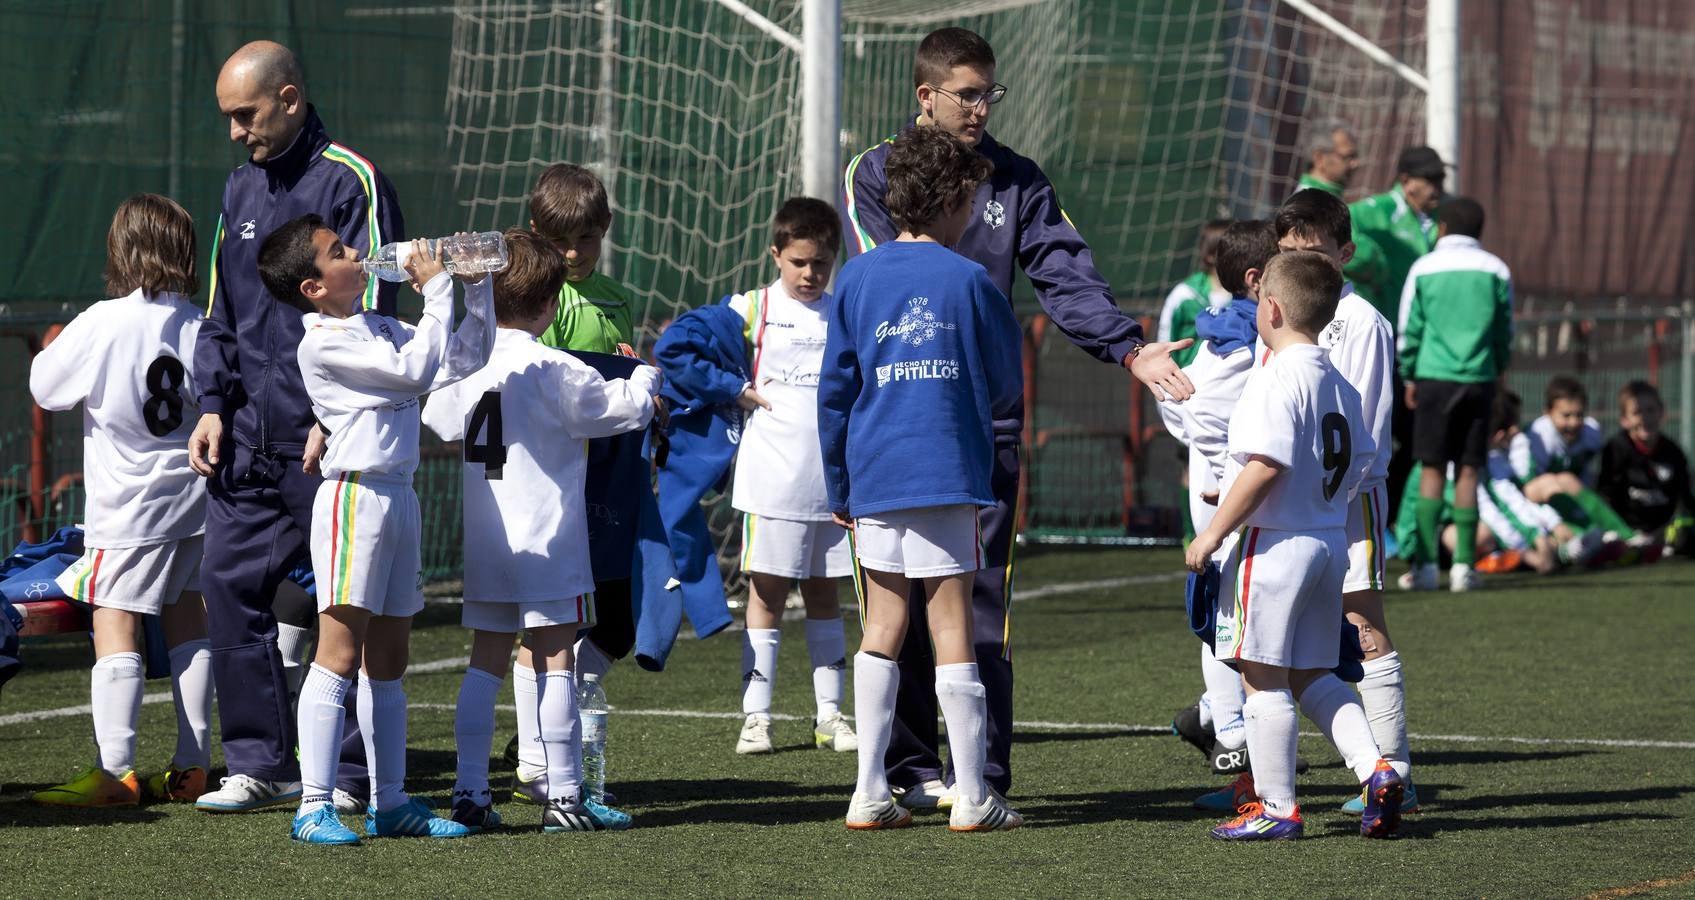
pixel 461 254
pixel 591 710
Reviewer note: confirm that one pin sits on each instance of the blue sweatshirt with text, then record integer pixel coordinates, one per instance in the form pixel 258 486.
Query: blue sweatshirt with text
pixel 924 354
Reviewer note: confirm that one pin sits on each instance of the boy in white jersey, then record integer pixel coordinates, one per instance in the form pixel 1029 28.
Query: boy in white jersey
pixel 787 534
pixel 365 373
pixel 525 419
pixel 1557 457
pixel 1362 349
pixel 1299 450
pixel 129 361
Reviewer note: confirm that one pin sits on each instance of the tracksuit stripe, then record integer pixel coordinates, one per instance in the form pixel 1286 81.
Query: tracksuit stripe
pixel 342 539
pixel 367 175
pixel 212 279
pixel 860 235
pixel 1243 587
pixel 747 539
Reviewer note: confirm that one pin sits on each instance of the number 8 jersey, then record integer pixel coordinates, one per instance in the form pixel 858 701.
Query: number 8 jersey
pixel 1299 412
pixel 130 362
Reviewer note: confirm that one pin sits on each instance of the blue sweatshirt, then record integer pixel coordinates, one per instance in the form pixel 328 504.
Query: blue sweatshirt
pixel 1017 223
pixel 245 360
pixel 924 355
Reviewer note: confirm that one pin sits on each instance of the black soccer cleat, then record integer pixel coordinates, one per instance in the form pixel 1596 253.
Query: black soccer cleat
pixel 1187 725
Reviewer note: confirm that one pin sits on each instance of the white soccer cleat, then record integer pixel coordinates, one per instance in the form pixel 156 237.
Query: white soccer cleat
pixel 931 795
pixel 866 814
pixel 1419 578
pixel 835 734
pixel 1463 578
pixel 991 815
pixel 241 793
pixel 346 804
pixel 755 736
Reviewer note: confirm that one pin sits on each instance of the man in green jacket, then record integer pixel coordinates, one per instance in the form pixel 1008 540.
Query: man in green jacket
pixel 1393 229
pixel 1456 334
pixel 1334 155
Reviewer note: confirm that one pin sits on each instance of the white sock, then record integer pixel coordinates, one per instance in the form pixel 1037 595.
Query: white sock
pixel 382 721
pixel 191 687
pixel 1270 722
pixel 1337 713
pixel 1383 694
pixel 473 731
pixel 959 689
pixel 591 660
pixel 827 645
pixel 759 669
pixel 114 691
pixel 561 736
pixel 532 763
pixel 291 643
pixel 1224 698
pixel 874 682
pixel 321 721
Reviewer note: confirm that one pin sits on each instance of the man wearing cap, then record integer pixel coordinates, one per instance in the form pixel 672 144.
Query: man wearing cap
pixel 1391 231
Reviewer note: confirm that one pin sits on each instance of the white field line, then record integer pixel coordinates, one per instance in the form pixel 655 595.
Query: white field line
pixel 456 663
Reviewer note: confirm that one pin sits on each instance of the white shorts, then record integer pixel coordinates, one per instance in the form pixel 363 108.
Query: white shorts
pixel 926 542
pixel 366 545
pixel 1280 600
pixel 140 580
pixel 1367 521
pixel 511 618
pixel 793 549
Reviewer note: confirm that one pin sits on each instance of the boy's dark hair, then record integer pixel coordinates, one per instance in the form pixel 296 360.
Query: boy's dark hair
pixel 567 200
pixel 1206 249
pixel 1564 387
pixel 534 273
pixel 945 48
pixel 1248 244
pixel 1639 391
pixel 287 257
pixel 1462 216
pixel 807 219
pixel 1314 213
pixel 1506 412
pixel 929 172
pixel 1308 285
pixel 150 247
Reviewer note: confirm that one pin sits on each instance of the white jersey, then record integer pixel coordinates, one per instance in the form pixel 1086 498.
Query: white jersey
pixel 130 362
pixel 1541 449
pixel 779 464
pixel 1203 421
pixel 524 419
pixel 1362 348
pixel 366 373
pixel 1300 413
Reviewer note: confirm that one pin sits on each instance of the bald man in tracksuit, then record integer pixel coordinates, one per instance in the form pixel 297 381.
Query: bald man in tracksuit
pixel 255 417
pixel 1016 223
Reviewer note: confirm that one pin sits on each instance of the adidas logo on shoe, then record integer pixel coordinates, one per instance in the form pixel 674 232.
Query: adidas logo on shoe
pixel 754 675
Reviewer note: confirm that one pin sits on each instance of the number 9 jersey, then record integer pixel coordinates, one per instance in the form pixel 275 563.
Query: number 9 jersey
pixel 130 362
pixel 1300 413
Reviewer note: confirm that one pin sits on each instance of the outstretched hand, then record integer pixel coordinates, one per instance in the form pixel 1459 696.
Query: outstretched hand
pixel 1154 367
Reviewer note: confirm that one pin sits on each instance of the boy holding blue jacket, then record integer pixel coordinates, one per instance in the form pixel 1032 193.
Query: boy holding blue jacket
pixel 923 354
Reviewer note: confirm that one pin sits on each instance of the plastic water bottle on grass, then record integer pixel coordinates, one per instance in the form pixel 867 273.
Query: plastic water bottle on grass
pixel 591 711
pixel 461 254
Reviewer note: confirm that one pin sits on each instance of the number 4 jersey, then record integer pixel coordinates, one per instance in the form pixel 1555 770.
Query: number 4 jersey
pixel 1299 412
pixel 525 418
pixel 129 361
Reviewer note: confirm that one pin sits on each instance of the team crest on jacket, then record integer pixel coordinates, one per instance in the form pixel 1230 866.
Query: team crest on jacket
pixel 917 325
pixel 994 214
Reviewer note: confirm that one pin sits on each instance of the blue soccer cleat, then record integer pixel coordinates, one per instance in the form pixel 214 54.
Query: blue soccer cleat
pixel 1409 801
pixel 1255 824
pixel 1384 791
pixel 584 815
pixel 322 826
pixel 412 819
pixel 1231 797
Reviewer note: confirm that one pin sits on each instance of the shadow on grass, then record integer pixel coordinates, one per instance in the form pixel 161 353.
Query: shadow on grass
pixel 1070 736
pixel 17 812
pixel 1476 757
pixel 1425 826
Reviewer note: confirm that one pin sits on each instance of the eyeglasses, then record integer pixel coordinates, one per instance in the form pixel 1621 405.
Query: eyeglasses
pixel 973 99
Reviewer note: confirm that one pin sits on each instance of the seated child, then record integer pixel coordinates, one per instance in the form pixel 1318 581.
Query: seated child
pixel 787 534
pixel 1644 474
pixel 923 354
pixel 130 362
pixel 365 373
pixel 1554 460
pixel 525 419
pixel 1299 450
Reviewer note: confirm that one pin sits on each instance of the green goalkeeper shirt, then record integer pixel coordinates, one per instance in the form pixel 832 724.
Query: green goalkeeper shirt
pixel 1456 314
pixel 594 315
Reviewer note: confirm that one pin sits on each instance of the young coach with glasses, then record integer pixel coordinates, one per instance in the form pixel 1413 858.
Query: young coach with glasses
pixel 1016 223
